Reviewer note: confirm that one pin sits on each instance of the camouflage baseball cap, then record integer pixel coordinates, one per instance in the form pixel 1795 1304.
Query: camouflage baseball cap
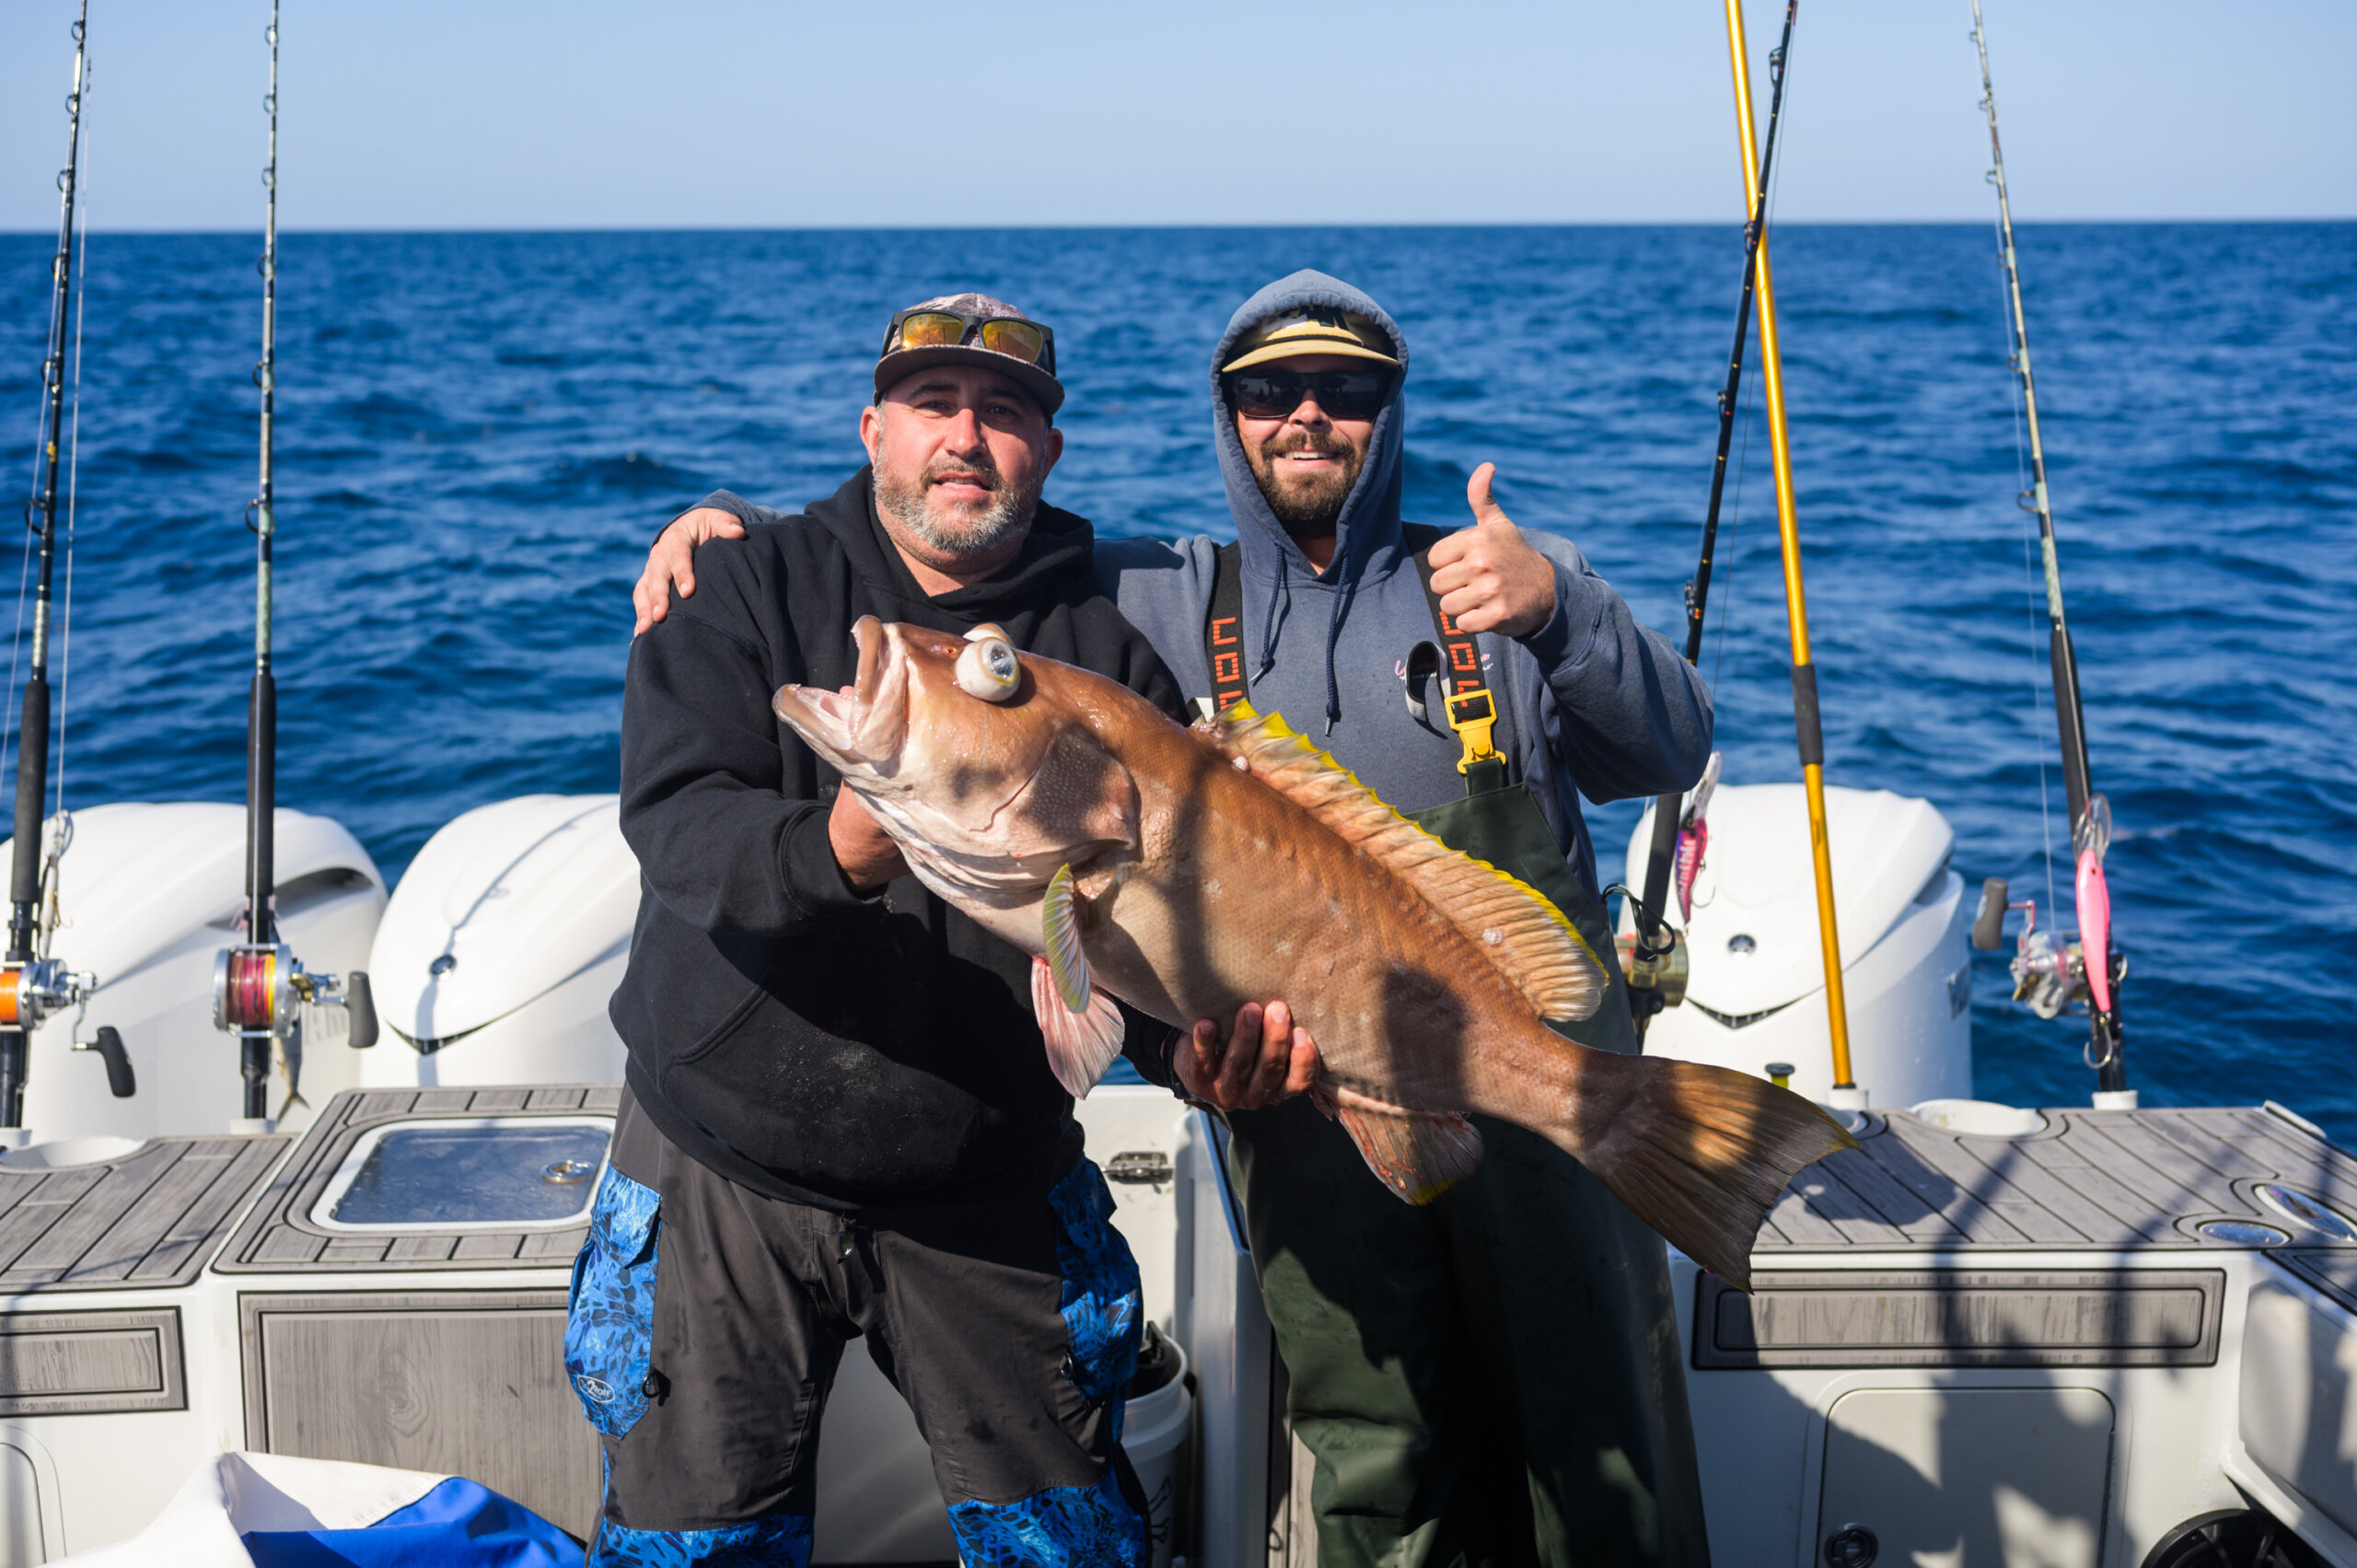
pixel 970 329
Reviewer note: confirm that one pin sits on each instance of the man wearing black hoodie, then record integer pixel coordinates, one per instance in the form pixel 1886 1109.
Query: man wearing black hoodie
pixel 1493 1377
pixel 839 1117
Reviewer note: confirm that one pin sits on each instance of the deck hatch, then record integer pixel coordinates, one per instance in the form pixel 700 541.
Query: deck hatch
pixel 462 1174
pixel 296 1228
pixel 2103 1318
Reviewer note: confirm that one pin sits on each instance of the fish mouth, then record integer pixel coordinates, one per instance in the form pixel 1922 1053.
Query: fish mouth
pixel 861 728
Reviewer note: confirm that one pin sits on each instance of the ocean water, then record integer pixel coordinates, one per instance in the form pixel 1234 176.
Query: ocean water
pixel 479 435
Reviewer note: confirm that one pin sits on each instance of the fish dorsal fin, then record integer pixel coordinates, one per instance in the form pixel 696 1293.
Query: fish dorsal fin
pixel 1513 924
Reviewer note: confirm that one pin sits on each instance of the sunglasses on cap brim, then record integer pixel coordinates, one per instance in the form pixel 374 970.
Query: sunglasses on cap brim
pixel 1010 335
pixel 1274 394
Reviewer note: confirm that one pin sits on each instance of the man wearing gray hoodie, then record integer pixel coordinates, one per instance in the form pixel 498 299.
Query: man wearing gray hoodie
pixel 1493 1377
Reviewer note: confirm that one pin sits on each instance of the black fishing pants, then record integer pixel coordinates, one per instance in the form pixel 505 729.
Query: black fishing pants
pixel 1494 1378
pixel 707 1322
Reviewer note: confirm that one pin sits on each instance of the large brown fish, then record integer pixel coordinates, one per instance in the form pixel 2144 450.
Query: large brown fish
pixel 1188 872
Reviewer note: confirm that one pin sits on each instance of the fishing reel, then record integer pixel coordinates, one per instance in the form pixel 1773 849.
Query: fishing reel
pixel 32 991
pixel 2050 969
pixel 260 993
pixel 1661 971
pixel 1654 963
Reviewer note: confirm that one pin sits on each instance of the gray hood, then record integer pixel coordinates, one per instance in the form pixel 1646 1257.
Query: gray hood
pixel 1591 703
pixel 1367 537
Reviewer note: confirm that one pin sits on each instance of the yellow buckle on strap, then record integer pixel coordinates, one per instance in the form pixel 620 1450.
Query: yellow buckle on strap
pixel 1473 716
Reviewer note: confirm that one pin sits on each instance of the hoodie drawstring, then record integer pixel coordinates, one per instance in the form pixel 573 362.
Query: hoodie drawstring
pixel 1333 635
pixel 1281 594
pixel 1281 599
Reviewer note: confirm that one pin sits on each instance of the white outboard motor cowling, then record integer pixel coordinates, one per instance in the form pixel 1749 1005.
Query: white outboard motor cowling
pixel 148 894
pixel 502 946
pixel 1754 991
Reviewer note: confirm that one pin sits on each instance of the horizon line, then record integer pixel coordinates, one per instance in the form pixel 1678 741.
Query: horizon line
pixel 1183 227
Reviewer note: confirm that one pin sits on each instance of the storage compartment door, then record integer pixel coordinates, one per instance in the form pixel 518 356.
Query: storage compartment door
pixel 20 1509
pixel 2298 1415
pixel 1968 1478
pixel 454 1382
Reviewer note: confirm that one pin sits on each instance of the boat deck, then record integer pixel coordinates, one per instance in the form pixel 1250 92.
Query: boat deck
pixel 2091 1181
pixel 2102 1239
pixel 145 1220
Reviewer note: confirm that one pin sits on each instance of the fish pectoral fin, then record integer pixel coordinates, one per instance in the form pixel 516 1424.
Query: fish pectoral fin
pixel 1060 918
pixel 1418 1154
pixel 1515 926
pixel 1081 1025
pixel 1081 1044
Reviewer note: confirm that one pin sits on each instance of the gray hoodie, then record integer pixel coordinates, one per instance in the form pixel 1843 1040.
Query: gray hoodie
pixel 1594 703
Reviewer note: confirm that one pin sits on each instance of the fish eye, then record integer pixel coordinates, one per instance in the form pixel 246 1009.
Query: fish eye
pixel 987 669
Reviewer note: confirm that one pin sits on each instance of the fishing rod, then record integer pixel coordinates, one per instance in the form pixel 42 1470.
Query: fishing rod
pixel 2049 973
pixel 1657 973
pixel 32 987
pixel 259 987
pixel 1807 727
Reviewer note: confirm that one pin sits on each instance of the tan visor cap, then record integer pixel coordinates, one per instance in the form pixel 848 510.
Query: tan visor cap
pixel 1312 332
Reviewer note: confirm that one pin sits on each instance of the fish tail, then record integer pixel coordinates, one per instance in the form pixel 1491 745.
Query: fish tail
pixel 1698 1152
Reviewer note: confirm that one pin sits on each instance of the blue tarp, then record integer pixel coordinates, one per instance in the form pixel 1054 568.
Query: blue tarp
pixel 459 1524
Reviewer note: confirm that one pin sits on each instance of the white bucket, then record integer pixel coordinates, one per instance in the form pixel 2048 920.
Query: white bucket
pixel 1154 1429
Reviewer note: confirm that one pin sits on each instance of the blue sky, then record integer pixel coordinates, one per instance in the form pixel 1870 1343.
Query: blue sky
pixel 526 113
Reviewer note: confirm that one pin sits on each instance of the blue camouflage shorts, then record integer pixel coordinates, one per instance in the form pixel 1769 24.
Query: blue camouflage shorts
pixel 1009 1324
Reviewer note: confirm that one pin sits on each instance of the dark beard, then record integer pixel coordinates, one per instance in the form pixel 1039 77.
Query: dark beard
pixel 1313 509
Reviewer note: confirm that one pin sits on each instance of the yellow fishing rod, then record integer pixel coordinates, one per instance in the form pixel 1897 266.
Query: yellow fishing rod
pixel 1805 722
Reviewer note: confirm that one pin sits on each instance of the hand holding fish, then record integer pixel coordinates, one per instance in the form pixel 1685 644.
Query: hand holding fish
pixel 1237 1075
pixel 868 856
pixel 672 563
pixel 1488 577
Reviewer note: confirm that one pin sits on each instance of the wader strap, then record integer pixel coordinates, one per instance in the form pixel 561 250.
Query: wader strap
pixel 1471 706
pixel 1224 632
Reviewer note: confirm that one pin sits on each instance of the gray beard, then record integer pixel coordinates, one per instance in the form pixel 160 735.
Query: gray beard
pixel 1009 513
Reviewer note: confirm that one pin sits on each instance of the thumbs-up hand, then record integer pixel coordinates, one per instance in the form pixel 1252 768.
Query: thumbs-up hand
pixel 1488 577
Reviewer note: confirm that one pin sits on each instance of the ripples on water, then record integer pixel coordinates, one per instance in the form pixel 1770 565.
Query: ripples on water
pixel 480 434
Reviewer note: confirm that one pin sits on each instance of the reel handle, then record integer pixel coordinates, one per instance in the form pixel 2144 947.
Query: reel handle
pixel 360 1005
pixel 1988 920
pixel 122 1082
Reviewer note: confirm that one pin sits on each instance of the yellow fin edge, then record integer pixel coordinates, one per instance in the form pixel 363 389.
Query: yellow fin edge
pixel 1242 712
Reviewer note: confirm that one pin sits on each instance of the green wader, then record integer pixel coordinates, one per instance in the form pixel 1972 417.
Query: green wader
pixel 1494 1378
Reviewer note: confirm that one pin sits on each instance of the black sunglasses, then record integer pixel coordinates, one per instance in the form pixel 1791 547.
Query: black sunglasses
pixel 1273 394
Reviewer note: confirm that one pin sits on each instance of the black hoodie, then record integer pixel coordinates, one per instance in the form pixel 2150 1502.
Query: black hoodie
pixel 791 1036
